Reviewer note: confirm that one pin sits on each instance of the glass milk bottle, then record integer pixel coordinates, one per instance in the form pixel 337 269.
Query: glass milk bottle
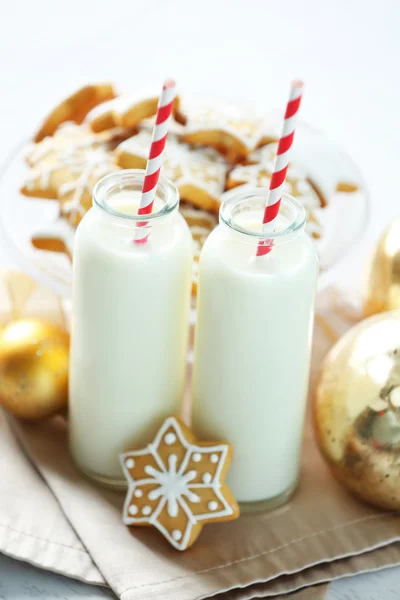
pixel 130 322
pixel 253 345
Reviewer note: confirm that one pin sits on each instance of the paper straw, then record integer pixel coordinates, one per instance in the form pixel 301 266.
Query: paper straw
pixel 281 165
pixel 154 161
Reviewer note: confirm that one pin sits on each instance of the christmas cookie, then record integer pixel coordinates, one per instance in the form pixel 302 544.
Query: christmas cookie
pixel 199 174
pixel 201 223
pixel 75 108
pixel 347 187
pixel 296 184
pixel 126 111
pixel 176 484
pixel 229 129
pixel 67 166
pixel 59 238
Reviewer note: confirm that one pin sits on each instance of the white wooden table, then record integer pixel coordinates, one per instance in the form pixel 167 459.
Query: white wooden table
pixel 347 52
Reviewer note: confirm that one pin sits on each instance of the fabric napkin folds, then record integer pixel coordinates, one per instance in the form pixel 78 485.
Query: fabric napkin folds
pixel 54 518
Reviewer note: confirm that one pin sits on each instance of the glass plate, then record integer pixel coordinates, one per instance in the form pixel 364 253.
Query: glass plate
pixel 343 220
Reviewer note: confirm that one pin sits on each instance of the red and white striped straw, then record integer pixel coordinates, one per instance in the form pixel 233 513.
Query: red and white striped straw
pixel 281 164
pixel 154 161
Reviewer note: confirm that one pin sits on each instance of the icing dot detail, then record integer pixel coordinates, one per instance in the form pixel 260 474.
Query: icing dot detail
pixel 133 509
pixel 146 510
pixel 176 534
pixel 207 478
pixel 213 505
pixel 138 493
pixel 214 458
pixel 170 438
pixel 130 463
pixel 197 457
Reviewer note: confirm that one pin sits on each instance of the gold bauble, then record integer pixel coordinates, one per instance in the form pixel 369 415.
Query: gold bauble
pixel 382 288
pixel 34 357
pixel 357 410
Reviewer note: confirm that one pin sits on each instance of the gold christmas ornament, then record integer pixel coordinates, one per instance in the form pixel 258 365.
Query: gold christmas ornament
pixel 34 356
pixel 357 410
pixel 382 290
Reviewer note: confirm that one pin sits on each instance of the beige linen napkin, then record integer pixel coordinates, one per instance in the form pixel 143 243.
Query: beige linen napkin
pixel 321 534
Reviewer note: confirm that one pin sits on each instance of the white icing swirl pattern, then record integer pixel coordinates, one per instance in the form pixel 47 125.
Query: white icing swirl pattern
pixel 203 169
pixel 173 487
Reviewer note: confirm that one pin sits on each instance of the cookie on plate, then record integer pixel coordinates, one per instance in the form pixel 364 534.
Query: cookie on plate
pixel 297 184
pixel 198 174
pixel 57 237
pixel 127 111
pixel 201 223
pixel 231 130
pixel 75 108
pixel 67 166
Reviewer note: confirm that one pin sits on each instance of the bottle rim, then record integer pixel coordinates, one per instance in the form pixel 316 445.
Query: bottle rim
pixel 237 202
pixel 132 179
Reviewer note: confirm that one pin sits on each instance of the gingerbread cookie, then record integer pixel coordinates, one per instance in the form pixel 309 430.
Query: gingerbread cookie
pixel 127 111
pixel 58 238
pixel 176 484
pixel 75 108
pixel 347 187
pixel 67 166
pixel 201 223
pixel 229 129
pixel 296 184
pixel 199 174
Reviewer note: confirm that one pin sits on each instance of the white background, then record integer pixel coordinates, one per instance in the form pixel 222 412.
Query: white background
pixel 347 52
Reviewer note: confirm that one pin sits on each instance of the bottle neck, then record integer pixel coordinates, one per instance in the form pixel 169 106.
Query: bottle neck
pixel 242 213
pixel 117 197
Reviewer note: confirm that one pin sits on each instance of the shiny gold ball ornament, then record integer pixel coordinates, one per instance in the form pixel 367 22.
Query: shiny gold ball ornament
pixel 357 410
pixel 34 357
pixel 382 287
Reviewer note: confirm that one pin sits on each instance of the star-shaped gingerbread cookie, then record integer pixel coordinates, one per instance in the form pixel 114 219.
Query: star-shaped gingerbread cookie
pixel 127 110
pixel 229 129
pixel 176 484
pixel 198 174
pixel 259 172
pixel 67 166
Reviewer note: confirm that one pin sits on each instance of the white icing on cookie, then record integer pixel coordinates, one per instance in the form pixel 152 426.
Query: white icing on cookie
pixel 248 126
pixel 207 477
pixel 122 104
pixel 175 490
pixel 82 154
pixel 176 534
pixel 203 169
pixel 259 175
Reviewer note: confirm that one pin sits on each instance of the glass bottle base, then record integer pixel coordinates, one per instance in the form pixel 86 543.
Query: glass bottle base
pixel 269 503
pixel 107 482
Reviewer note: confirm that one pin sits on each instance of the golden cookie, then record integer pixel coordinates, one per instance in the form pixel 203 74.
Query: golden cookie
pixel 75 108
pixel 59 238
pixel 201 223
pixel 229 129
pixel 296 184
pixel 102 117
pixel 67 166
pixel 199 175
pixel 126 111
pixel 347 187
pixel 176 484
